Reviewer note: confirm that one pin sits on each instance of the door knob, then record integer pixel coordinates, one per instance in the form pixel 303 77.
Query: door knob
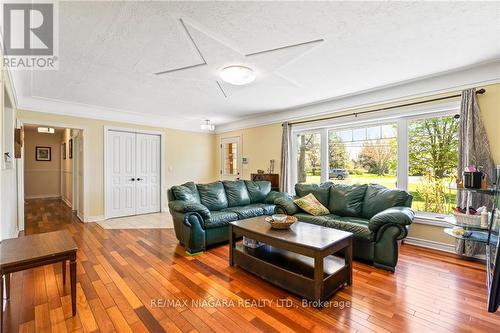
pixel 132 179
pixel 139 179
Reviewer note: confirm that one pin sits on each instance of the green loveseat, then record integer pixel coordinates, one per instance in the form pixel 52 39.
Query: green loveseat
pixel 202 212
pixel 377 216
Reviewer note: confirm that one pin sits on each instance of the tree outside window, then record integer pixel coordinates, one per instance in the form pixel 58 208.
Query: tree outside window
pixel 433 158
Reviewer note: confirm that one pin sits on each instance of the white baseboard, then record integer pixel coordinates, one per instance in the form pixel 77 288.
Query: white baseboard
pixel 80 216
pixel 430 244
pixel 43 196
pixel 66 201
pixel 95 218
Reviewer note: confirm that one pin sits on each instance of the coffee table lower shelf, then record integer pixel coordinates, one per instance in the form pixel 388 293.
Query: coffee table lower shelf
pixel 292 271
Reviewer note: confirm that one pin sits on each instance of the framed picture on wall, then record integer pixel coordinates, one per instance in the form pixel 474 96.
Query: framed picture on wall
pixel 43 154
pixel 64 150
pixel 70 148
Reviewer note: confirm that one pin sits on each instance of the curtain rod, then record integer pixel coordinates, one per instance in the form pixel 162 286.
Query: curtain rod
pixel 355 114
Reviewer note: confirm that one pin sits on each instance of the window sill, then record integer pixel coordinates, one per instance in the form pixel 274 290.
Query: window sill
pixel 433 219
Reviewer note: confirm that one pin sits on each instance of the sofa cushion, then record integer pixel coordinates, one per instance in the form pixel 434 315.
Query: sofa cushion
pixel 213 195
pixel 268 209
pixel 285 205
pixel 186 192
pixel 236 193
pixel 321 192
pixel 311 205
pixel 358 226
pixel 258 190
pixel 245 212
pixel 219 219
pixel 347 200
pixel 319 220
pixel 379 198
pixel 357 220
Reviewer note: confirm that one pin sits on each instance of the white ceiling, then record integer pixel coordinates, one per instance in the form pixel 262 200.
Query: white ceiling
pixel 109 52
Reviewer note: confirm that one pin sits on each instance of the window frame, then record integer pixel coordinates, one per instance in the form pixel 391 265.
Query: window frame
pixel 401 117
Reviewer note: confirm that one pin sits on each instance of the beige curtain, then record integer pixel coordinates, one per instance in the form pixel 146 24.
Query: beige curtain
pixel 286 142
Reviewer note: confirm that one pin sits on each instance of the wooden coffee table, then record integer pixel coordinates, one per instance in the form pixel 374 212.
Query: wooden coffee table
pixel 300 259
pixel 18 254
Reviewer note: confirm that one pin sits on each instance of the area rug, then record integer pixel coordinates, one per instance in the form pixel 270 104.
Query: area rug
pixel 146 221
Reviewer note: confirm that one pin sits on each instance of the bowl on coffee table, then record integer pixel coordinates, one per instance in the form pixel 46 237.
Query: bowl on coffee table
pixel 281 221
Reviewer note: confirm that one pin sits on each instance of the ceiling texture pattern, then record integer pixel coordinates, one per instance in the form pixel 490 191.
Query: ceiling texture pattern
pixel 109 53
pixel 215 55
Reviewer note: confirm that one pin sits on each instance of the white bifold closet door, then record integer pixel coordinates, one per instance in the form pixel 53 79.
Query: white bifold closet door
pixel 133 173
pixel 147 186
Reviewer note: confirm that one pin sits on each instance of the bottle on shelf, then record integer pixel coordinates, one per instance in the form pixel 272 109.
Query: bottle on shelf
pixel 484 218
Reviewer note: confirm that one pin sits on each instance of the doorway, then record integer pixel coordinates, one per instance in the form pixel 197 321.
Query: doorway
pixel 132 172
pixel 51 176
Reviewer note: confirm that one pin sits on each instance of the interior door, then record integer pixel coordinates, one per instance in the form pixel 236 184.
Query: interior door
pixel 230 158
pixel 121 170
pixel 148 167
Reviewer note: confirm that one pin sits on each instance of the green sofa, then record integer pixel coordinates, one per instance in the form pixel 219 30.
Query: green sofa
pixel 377 216
pixel 202 212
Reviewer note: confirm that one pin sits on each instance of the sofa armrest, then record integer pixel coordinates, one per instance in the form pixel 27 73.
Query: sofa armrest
pixel 273 195
pixel 285 205
pixel 189 207
pixel 401 216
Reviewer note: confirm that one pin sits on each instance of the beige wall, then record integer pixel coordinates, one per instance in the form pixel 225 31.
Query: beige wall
pixel 42 179
pixel 188 155
pixel 259 144
pixel 489 103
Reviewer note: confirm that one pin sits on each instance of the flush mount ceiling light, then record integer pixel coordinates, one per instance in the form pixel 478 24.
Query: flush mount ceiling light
pixel 207 126
pixel 46 130
pixel 237 75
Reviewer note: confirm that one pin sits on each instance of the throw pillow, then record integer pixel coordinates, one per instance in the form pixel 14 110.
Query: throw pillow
pixel 320 191
pixel 310 204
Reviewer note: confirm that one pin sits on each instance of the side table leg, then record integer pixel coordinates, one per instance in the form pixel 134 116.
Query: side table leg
pixel 72 273
pixel 64 272
pixel 7 286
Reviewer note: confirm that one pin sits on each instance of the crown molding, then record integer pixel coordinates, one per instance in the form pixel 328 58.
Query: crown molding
pixel 446 82
pixel 53 106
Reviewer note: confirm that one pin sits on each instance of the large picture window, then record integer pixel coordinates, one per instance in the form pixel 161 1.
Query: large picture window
pixel 418 153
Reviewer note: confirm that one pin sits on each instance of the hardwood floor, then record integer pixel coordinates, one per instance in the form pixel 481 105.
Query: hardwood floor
pixel 125 276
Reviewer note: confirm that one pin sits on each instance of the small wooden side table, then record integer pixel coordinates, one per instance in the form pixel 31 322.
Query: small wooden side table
pixel 18 254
